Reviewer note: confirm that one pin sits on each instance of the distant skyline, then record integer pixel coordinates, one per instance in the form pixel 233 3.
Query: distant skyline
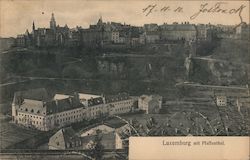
pixel 18 15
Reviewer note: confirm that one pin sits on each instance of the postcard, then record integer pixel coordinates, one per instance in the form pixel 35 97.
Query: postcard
pixel 119 80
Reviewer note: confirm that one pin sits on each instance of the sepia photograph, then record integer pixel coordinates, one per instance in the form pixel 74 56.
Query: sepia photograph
pixel 83 80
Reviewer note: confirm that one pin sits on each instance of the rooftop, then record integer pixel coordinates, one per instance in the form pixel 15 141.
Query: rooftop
pixel 83 96
pixel 115 98
pixel 39 94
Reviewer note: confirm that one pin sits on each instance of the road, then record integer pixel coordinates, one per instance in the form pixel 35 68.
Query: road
pixel 11 83
pixel 219 60
pixel 211 86
pixel 111 55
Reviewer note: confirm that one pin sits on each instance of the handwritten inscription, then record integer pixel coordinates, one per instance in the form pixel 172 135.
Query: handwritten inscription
pixel 154 8
pixel 218 8
pixel 205 8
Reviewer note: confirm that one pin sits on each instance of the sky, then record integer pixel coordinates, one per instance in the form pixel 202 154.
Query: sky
pixel 17 15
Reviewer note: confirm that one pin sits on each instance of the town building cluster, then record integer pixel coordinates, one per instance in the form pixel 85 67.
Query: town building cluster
pixel 35 109
pixel 121 35
pixel 112 33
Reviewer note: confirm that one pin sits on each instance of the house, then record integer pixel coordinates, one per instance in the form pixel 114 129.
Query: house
pixel 63 139
pixel 150 103
pixel 221 101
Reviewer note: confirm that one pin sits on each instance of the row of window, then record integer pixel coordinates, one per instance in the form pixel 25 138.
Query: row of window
pixel 123 103
pixel 31 122
pixel 69 118
pixel 29 116
pixel 68 113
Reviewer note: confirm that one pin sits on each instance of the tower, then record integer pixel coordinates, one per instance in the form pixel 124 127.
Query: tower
pixel 53 22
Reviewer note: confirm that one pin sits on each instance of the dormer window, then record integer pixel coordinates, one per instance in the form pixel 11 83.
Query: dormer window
pixel 32 110
pixel 26 109
pixel 38 111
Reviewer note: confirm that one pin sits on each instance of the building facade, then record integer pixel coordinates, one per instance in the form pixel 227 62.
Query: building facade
pixel 43 113
pixel 34 108
pixel 150 103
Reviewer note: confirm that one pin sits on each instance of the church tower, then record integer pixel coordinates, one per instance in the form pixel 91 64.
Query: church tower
pixel 53 22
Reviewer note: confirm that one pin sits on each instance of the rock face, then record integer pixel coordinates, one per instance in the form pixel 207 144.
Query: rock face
pixel 143 68
pixel 219 72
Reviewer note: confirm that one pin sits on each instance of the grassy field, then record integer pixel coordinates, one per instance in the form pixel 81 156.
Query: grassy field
pixel 11 133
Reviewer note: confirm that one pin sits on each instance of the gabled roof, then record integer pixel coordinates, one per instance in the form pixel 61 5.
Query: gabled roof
pixel 49 107
pixel 32 106
pixel 63 137
pixel 57 106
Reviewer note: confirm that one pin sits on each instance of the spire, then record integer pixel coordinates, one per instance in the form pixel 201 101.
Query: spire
pixel 100 20
pixel 52 22
pixel 52 17
pixel 33 26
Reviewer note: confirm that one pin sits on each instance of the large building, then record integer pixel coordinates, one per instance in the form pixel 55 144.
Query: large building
pixel 36 109
pixel 183 31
